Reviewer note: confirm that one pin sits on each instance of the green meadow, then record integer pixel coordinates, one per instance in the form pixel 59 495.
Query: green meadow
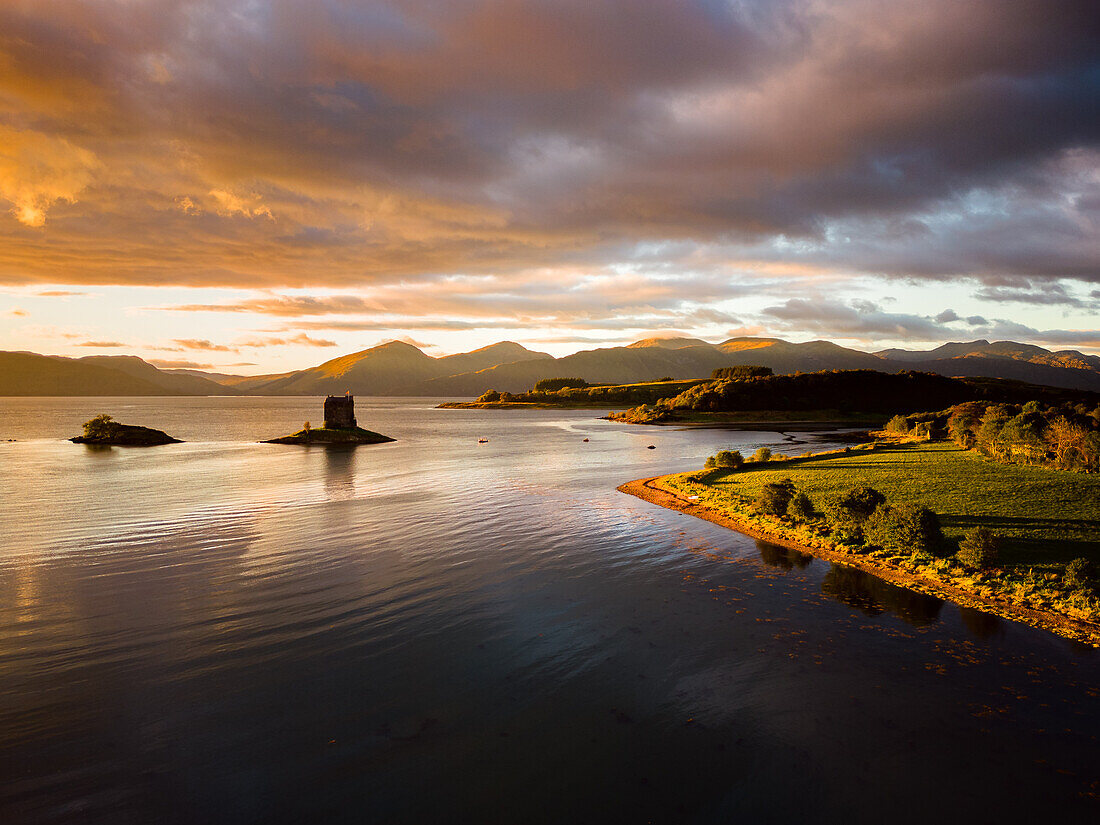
pixel 1044 517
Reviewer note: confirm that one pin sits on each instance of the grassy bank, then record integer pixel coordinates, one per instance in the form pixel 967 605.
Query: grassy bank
pixel 1044 518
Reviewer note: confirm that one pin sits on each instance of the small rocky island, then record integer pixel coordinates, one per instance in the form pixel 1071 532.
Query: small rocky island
pixel 340 427
pixel 105 431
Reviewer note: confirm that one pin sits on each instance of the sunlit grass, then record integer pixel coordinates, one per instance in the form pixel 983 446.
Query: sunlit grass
pixel 1045 516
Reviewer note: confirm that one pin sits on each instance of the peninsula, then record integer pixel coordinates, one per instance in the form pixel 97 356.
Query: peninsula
pixel 965 518
pixel 340 427
pixel 103 430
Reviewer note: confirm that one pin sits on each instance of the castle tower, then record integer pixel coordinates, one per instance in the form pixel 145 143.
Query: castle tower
pixel 340 412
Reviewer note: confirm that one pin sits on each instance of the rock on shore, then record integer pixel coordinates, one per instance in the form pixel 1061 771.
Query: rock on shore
pixel 351 435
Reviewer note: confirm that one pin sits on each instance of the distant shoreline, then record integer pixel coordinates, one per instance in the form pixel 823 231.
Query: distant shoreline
pixel 654 491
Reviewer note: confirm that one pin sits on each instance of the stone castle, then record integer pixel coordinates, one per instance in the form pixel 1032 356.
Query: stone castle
pixel 340 412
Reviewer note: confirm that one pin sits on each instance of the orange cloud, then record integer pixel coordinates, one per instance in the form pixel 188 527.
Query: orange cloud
pixel 37 170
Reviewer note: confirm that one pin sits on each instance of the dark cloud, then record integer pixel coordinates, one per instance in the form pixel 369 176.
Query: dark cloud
pixel 865 321
pixel 859 319
pixel 335 143
pixel 1047 293
pixel 947 316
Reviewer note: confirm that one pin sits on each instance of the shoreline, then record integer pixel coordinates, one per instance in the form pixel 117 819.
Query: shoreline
pixel 653 491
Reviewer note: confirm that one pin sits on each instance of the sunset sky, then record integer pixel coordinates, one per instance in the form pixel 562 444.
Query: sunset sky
pixel 257 186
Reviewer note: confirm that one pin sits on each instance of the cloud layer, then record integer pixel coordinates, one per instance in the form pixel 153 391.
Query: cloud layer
pixel 604 164
pixel 329 143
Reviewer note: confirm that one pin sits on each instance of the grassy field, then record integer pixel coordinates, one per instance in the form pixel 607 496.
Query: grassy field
pixel 1046 517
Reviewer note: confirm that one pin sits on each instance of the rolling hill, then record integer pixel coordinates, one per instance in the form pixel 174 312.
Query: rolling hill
pixel 398 368
pixel 29 374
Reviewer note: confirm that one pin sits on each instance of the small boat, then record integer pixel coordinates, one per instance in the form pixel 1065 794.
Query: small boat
pixel 586 439
pixel 651 447
pixel 483 441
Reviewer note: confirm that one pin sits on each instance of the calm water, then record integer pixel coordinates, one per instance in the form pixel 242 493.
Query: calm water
pixel 441 631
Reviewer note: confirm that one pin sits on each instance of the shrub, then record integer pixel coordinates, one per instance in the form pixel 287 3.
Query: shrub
pixel 978 548
pixel 102 426
pixel 554 384
pixel 762 454
pixel 728 459
pixel 898 424
pixel 489 396
pixel 800 508
pixel 775 497
pixel 709 464
pixel 907 528
pixel 666 378
pixel 1080 573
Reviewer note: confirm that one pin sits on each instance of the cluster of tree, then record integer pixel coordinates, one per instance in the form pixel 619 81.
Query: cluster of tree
pixel 1066 436
pixel 732 459
pixel 554 384
pixel 845 390
pixel 861 517
pixel 867 391
pixel 741 372
pixel 592 395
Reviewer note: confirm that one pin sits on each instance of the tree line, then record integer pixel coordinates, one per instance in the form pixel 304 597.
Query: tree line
pixel 1065 436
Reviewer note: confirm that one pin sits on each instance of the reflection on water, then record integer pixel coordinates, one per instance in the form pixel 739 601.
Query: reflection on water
pixel 440 631
pixel 872 596
pixel 869 595
pixel 785 558
pixel 981 624
pixel 339 471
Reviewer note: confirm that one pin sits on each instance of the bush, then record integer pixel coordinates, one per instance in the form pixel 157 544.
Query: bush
pixel 728 459
pixel 489 396
pixel 102 426
pixel 978 548
pixel 1080 573
pixel 907 528
pixel 800 508
pixel 775 497
pixel 554 384
pixel 666 378
pixel 741 372
pixel 898 424
pixel 762 454
pixel 709 463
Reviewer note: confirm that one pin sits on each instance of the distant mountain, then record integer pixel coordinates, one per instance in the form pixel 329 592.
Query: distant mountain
pixel 397 368
pixel 1004 359
pixel 669 343
pixel 172 383
pixel 783 356
pixel 27 373
pixel 394 368
pixel 1005 350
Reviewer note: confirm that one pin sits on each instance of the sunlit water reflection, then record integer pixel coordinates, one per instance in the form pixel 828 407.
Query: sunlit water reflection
pixel 437 630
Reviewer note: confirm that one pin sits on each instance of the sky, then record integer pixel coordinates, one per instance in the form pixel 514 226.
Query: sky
pixel 256 186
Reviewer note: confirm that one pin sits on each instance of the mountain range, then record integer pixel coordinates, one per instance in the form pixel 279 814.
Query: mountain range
pixel 398 368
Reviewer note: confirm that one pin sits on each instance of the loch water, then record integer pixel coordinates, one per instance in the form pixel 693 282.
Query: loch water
pixel 437 630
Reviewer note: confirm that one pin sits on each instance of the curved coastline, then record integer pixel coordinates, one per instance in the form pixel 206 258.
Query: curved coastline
pixel 654 491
